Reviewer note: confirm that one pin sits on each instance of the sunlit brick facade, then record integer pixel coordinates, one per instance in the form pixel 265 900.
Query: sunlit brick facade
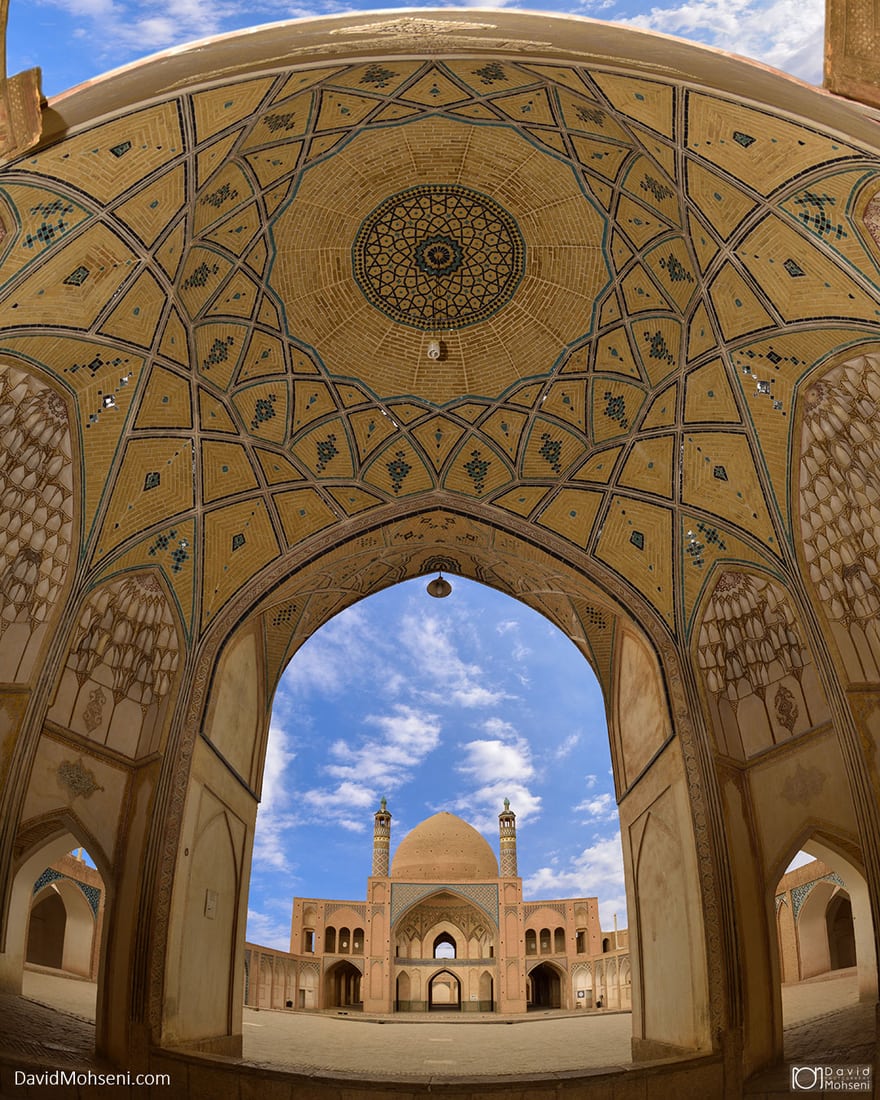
pixel 443 931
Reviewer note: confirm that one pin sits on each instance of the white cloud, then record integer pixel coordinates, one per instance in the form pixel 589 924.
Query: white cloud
pixel 274 821
pixel 520 651
pixel 453 680
pixel 268 931
pixel 406 737
pixel 497 760
pixel 348 645
pixel 368 767
pixel 786 34
pixel 567 747
pixel 596 872
pixel 345 795
pixel 500 728
pixel 500 767
pixel 591 781
pixel 279 754
pixel 601 807
pixel 482 806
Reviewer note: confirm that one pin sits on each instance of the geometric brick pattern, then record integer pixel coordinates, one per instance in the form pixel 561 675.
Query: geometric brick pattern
pixel 406 894
pixel 628 341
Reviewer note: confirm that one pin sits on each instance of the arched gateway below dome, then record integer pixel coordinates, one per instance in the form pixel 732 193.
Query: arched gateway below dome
pixel 620 361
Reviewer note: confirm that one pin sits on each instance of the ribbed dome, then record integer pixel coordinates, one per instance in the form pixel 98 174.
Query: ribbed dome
pixel 444 849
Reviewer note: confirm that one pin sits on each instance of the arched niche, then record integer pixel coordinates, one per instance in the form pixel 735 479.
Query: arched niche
pixel 815 949
pixel 66 936
pixel 47 927
pixel 342 985
pixel 549 986
pixel 444 992
pixel 758 673
pixel 208 929
pixel 863 923
pixel 119 680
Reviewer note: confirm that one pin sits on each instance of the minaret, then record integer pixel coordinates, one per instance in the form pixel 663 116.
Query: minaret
pixel 507 828
pixel 381 839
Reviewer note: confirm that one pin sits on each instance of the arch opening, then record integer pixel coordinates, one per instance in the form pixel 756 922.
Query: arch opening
pixel 546 988
pixel 824 944
pixel 56 925
pixel 342 986
pixel 444 992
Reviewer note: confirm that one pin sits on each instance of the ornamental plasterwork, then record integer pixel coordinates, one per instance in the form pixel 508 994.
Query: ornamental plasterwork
pixel 79 780
pixel 840 506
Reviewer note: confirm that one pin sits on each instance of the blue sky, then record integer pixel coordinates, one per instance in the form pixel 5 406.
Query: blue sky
pixel 76 40
pixel 452 704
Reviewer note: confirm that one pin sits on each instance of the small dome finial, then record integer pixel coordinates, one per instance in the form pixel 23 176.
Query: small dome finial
pixel 506 803
pixel 383 804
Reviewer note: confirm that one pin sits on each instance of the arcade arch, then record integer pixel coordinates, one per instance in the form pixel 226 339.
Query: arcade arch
pixel 670 453
pixel 61 929
pixel 546 987
pixel 444 992
pixel 827 924
pixel 342 986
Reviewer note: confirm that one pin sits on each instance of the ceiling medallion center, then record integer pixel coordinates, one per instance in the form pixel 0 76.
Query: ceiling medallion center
pixel 438 256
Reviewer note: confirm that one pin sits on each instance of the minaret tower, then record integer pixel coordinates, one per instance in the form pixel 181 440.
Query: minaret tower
pixel 382 839
pixel 507 828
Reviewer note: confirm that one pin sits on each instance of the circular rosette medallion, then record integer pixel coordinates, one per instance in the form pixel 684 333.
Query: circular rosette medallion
pixel 438 256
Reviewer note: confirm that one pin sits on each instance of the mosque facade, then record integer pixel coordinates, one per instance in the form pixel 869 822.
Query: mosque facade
pixel 444 927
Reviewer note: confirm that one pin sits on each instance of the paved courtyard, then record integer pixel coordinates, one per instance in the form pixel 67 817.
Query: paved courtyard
pixel 821 1016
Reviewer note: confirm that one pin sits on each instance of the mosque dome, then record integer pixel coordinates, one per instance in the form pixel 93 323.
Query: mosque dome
pixel 443 848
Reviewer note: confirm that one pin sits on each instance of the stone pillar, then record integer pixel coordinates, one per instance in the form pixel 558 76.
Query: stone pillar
pixel 381 839
pixel 507 828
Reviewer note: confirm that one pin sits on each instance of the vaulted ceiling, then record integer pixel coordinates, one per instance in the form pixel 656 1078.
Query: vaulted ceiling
pixel 237 277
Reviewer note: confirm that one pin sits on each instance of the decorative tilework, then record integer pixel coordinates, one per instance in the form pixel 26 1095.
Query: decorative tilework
pixel 77 277
pixel 404 895
pixel 800 893
pixel 551 450
pixel 398 468
pixel 178 550
pixel 438 257
pixel 589 164
pixel 476 468
pixel 615 408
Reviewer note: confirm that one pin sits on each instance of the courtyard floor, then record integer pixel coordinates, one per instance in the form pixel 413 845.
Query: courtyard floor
pixel 822 1017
